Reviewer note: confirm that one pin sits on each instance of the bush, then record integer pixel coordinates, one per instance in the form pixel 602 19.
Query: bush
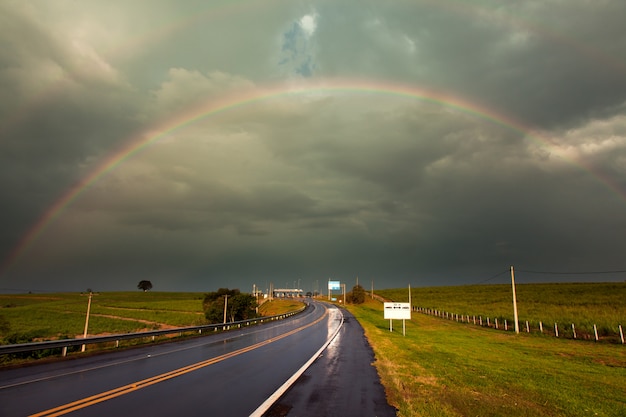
pixel 358 295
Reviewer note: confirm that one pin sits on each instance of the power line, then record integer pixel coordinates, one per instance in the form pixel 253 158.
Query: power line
pixel 619 271
pixel 570 273
pixel 493 277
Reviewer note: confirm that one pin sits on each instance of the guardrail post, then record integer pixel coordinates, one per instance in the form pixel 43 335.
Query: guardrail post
pixel 64 351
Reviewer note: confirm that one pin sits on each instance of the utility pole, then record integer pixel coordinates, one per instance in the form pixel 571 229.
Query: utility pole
pixel 87 319
pixel 329 290
pixel 410 305
pixel 256 298
pixel 514 301
pixel 225 304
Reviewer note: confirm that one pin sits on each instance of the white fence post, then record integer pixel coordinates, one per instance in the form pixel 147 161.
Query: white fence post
pixel 573 330
pixel 595 332
pixel 556 330
pixel 621 334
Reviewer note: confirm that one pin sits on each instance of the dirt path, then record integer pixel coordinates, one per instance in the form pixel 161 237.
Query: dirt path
pixel 152 323
pixel 144 309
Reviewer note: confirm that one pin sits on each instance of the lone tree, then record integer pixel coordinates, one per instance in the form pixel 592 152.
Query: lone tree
pixel 144 285
pixel 358 295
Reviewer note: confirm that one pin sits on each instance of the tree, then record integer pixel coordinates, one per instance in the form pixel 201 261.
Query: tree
pixel 242 307
pixel 144 285
pixel 358 295
pixel 238 306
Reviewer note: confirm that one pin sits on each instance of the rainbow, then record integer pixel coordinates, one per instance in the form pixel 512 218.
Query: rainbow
pixel 232 101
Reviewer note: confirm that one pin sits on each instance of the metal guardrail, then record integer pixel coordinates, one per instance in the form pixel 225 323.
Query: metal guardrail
pixel 65 343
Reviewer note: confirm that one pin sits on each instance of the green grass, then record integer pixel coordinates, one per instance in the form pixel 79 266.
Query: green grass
pixel 279 306
pixel 445 368
pixel 583 304
pixel 31 317
pixel 35 317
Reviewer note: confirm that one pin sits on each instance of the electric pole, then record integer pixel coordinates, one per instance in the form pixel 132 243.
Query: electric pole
pixel 514 301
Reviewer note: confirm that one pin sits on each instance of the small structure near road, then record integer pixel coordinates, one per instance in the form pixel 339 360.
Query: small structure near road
pixel 286 292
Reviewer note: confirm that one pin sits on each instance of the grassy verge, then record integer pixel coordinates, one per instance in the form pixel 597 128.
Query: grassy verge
pixel 444 368
pixel 279 306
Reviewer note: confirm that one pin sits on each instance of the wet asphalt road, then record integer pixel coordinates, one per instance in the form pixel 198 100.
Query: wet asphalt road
pixel 230 374
pixel 225 374
pixel 342 382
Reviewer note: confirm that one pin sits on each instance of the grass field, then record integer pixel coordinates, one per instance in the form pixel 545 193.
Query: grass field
pixel 31 317
pixel 584 304
pixel 35 316
pixel 445 368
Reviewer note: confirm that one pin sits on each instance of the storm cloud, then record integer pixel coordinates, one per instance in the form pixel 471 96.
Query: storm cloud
pixel 208 144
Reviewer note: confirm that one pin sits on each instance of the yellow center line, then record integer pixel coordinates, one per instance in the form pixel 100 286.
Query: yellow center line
pixel 116 392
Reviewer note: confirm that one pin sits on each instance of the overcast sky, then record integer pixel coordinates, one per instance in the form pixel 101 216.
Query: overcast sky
pixel 206 144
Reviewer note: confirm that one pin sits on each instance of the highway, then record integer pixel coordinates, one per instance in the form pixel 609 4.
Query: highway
pixel 224 374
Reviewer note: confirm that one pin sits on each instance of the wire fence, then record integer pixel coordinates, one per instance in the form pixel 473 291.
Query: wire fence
pixel 562 330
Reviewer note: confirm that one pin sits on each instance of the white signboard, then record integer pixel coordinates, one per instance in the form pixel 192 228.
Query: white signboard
pixel 334 285
pixel 397 311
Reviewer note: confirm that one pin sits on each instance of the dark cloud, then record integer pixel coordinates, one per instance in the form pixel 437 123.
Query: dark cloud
pixel 319 182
